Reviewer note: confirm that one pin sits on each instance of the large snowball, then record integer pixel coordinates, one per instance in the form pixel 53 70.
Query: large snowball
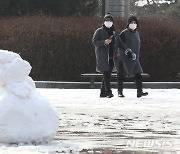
pixel 25 116
pixel 27 120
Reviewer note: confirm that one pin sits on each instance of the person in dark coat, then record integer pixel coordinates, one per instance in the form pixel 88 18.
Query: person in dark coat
pixel 106 41
pixel 129 67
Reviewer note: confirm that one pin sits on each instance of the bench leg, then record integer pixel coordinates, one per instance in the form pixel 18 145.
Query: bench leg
pixel 92 85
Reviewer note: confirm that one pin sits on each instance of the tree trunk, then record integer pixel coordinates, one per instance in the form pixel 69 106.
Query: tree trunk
pixel 148 2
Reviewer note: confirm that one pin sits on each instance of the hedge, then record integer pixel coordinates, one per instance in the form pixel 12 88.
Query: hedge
pixel 60 48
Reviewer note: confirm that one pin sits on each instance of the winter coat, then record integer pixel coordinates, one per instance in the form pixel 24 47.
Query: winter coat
pixel 132 41
pixel 102 50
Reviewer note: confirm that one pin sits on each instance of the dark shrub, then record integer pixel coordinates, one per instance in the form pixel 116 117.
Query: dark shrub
pixel 61 48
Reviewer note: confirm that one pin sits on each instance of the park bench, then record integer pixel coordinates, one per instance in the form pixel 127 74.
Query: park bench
pixel 93 76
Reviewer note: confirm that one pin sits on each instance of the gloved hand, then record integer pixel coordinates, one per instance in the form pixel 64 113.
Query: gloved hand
pixel 133 56
pixel 109 40
pixel 130 54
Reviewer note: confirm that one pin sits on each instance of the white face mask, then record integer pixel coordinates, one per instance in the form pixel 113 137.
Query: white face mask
pixel 108 24
pixel 133 26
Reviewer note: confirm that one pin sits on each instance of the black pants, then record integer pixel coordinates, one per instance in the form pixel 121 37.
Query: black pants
pixel 105 86
pixel 120 79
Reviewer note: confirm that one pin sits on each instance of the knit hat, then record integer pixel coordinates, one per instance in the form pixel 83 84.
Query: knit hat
pixel 108 16
pixel 132 18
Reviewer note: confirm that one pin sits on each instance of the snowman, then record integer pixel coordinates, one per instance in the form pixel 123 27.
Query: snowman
pixel 25 116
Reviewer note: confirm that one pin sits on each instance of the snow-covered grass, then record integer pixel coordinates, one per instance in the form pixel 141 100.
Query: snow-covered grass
pixel 107 125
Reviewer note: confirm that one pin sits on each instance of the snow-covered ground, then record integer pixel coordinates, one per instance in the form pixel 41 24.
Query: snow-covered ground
pixel 106 125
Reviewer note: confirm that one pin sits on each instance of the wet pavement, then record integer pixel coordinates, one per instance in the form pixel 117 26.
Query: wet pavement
pixel 147 125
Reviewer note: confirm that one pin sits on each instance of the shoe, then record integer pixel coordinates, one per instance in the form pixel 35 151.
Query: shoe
pixel 120 94
pixel 109 94
pixel 140 94
pixel 103 94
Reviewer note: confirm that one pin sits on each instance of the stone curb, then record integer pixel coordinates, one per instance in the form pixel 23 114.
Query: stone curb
pixel 86 85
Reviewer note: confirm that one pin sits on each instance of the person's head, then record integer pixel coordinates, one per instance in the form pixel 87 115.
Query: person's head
pixel 108 20
pixel 132 23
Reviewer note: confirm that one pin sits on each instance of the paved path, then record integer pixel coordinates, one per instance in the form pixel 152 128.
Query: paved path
pixel 141 125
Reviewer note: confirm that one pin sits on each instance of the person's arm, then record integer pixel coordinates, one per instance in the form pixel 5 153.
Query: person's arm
pixel 121 44
pixel 124 48
pixel 96 39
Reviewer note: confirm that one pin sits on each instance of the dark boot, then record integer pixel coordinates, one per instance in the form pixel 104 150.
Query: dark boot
pixel 120 87
pixel 109 94
pixel 140 94
pixel 120 79
pixel 102 90
pixel 138 80
pixel 103 93
pixel 120 94
pixel 107 86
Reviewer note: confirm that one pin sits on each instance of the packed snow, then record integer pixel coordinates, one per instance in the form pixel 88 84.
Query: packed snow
pixel 25 115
